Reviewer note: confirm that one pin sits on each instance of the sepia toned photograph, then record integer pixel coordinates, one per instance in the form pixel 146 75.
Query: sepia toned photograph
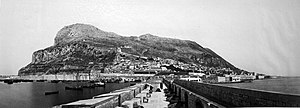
pixel 149 53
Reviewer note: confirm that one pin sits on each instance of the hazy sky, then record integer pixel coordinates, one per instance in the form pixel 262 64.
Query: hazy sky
pixel 255 35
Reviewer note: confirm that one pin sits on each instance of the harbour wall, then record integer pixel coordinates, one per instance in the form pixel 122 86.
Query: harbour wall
pixel 197 95
pixel 108 100
pixel 79 76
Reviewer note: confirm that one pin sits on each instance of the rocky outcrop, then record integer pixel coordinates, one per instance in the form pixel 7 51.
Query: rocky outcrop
pixel 78 46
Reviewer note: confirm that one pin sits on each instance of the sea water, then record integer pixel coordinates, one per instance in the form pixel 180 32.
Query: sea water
pixel 32 94
pixel 287 85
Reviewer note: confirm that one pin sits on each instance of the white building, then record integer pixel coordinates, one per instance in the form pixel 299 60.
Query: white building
pixel 192 79
pixel 196 74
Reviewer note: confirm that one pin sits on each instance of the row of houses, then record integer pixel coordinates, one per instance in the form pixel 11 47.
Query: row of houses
pixel 232 78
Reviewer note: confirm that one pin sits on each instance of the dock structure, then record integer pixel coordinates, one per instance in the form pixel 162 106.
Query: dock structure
pixel 153 96
pixel 157 100
pixel 104 102
pixel 203 95
pixel 146 94
pixel 185 94
pixel 109 100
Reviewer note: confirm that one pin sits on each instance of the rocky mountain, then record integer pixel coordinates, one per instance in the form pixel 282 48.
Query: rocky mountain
pixel 79 46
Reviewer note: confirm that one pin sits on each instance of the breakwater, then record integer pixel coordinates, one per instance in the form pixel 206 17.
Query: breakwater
pixel 195 95
pixel 149 94
pixel 109 100
pixel 79 76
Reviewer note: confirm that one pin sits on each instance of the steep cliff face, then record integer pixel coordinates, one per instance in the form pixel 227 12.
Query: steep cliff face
pixel 67 56
pixel 80 45
pixel 79 32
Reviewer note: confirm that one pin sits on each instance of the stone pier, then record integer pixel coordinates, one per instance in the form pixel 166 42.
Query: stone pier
pixel 202 95
pixel 109 100
pixel 147 95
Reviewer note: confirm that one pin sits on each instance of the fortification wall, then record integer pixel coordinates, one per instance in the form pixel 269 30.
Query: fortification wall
pixel 229 96
pixel 109 100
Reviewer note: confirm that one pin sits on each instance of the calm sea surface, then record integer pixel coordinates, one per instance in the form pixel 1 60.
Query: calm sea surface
pixel 284 85
pixel 31 94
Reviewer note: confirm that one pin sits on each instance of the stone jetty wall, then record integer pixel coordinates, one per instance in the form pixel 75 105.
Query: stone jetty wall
pixel 210 94
pixel 81 76
pixel 108 103
pixel 108 100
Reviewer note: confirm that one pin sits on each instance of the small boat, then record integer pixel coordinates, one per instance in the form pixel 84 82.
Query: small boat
pixel 51 92
pixel 54 81
pixel 138 80
pixel 40 80
pixel 9 81
pixel 92 81
pixel 99 84
pixel 74 88
pixel 27 80
pixel 88 86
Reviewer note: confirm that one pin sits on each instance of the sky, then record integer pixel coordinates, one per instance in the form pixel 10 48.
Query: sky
pixel 255 35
